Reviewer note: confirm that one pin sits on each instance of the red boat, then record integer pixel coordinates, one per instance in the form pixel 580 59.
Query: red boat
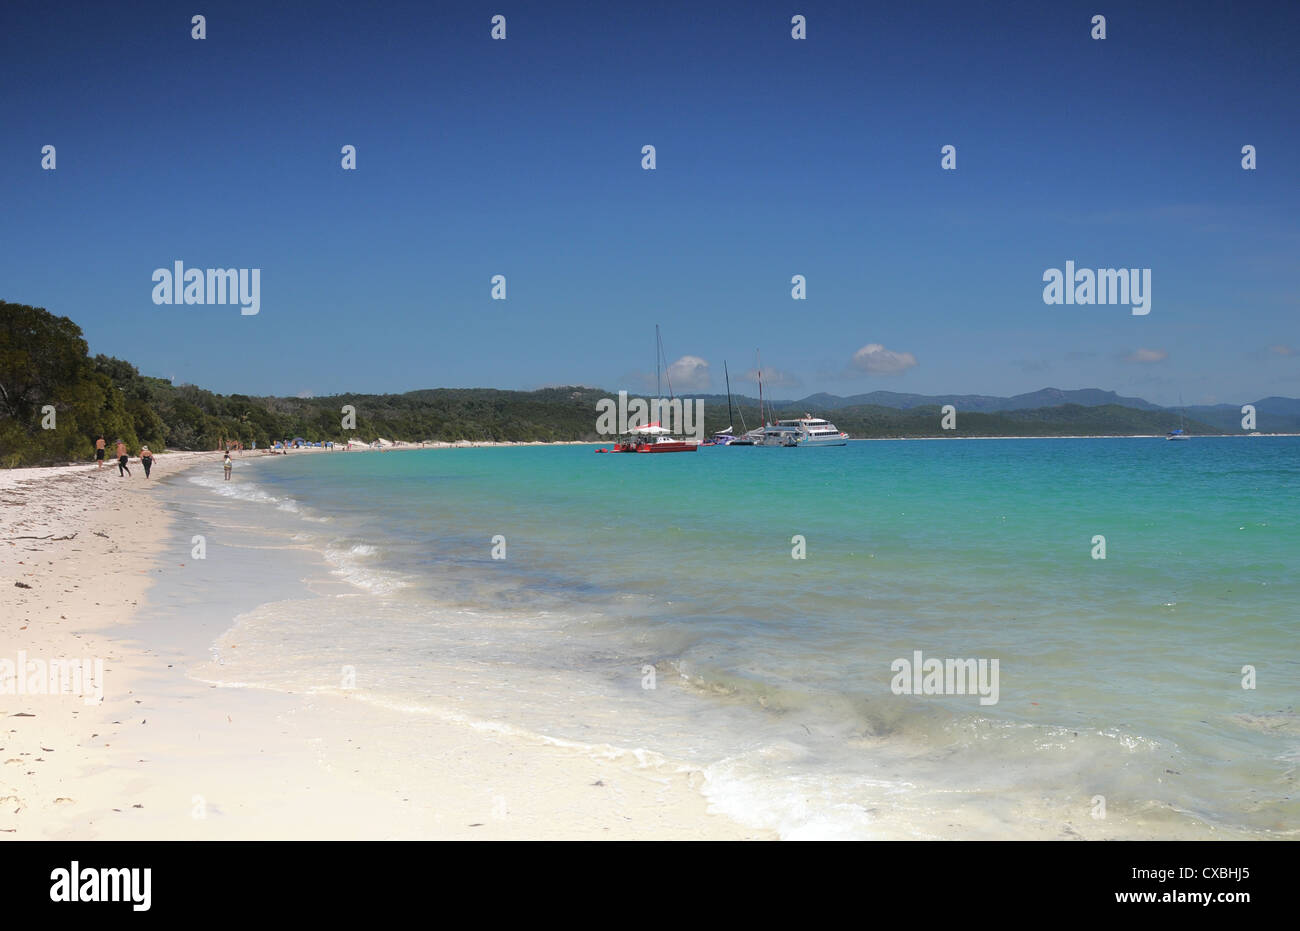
pixel 651 439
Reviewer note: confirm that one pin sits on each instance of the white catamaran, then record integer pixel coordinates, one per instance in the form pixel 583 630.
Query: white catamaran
pixel 801 431
pixel 813 431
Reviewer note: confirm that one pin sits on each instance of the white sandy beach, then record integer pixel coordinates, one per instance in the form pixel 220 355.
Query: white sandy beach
pixel 165 756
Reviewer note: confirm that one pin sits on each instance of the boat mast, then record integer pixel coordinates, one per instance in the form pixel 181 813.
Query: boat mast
pixel 668 376
pixel 659 351
pixel 762 422
pixel 730 417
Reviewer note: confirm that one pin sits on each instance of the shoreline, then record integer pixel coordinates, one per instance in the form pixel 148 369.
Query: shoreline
pixel 26 473
pixel 167 756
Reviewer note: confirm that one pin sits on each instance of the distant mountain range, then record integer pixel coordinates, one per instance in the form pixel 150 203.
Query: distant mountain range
pixel 1272 414
pixel 982 403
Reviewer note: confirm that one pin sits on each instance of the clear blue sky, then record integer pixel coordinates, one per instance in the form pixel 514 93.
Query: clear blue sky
pixel 775 157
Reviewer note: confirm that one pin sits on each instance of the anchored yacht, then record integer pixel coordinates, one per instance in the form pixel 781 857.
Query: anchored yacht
pixel 813 431
pixel 651 438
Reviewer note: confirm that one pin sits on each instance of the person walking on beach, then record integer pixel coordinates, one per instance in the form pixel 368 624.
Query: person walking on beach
pixel 227 465
pixel 122 468
pixel 99 451
pixel 146 460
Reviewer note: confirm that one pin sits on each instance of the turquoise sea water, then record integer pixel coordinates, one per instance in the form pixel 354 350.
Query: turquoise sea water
pixel 1119 679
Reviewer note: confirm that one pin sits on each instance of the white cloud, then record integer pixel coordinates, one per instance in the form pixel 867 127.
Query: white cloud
pixel 875 359
pixel 689 373
pixel 1147 355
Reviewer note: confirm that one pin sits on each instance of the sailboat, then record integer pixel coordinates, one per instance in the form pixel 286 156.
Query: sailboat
pixel 1180 433
pixel 726 436
pixel 754 437
pixel 654 437
pixel 746 437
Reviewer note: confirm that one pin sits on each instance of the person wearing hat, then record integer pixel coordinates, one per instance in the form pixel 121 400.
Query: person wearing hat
pixel 146 460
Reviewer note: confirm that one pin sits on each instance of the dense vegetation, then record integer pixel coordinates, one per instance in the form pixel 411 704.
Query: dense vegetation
pixel 54 400
pixel 45 366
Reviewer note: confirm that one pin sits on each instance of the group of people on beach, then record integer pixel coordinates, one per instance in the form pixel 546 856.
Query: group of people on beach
pixel 146 457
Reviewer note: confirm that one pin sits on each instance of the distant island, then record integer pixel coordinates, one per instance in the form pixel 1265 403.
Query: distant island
pixel 45 367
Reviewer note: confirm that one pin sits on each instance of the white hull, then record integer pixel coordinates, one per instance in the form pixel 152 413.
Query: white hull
pixel 790 434
pixel 813 431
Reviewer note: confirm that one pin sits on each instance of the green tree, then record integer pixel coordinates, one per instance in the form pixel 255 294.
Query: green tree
pixel 44 364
